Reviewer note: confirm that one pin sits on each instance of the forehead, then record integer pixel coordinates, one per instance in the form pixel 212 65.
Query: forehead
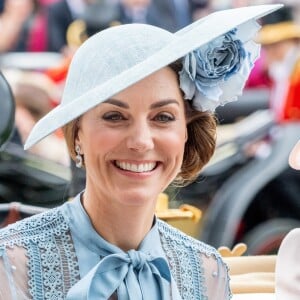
pixel 159 87
pixel 165 82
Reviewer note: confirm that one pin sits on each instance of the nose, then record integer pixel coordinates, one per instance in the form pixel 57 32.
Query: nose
pixel 140 137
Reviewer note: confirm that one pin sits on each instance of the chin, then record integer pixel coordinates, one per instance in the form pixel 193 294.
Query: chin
pixel 139 197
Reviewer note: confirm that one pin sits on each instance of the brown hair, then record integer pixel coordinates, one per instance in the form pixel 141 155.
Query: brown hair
pixel 70 131
pixel 201 141
pixel 200 144
pixel 199 147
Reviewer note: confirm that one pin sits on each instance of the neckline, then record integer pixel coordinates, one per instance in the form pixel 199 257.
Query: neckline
pixel 81 227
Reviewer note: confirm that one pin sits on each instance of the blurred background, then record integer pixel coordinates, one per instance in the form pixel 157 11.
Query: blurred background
pixel 247 193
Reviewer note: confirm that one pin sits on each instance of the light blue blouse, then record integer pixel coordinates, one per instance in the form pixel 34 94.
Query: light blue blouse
pixel 59 255
pixel 91 249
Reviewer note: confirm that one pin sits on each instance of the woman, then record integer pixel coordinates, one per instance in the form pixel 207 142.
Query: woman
pixel 135 124
pixel 287 263
pixel 280 39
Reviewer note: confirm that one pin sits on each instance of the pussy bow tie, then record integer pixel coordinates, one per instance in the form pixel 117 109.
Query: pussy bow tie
pixel 135 275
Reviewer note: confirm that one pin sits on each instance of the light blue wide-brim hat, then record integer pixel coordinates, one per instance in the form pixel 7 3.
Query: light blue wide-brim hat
pixel 116 58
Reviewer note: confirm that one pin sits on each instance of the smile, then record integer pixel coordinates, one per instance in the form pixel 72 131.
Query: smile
pixel 139 168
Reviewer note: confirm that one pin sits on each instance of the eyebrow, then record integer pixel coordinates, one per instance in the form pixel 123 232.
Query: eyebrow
pixel 152 106
pixel 117 103
pixel 163 103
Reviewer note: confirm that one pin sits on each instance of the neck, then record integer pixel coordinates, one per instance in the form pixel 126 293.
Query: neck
pixel 123 226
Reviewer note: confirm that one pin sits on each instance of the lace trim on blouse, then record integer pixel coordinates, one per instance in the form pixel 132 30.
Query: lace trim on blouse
pixel 186 263
pixel 52 262
pixel 52 266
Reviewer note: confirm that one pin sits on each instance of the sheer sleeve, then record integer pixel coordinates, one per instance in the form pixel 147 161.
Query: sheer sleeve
pixel 13 274
pixel 217 278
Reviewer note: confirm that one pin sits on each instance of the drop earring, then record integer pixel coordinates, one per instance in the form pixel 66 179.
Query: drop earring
pixel 78 158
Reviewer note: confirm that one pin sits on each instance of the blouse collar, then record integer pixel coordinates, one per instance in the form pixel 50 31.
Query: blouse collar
pixel 149 252
pixel 82 228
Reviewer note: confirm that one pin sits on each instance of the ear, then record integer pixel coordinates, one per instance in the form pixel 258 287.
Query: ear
pixel 77 140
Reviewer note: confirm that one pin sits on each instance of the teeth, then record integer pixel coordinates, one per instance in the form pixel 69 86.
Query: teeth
pixel 139 168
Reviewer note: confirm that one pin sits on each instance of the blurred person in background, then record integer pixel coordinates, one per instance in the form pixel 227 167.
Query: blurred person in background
pixel 171 15
pixel 24 25
pixel 12 19
pixel 134 11
pixel 60 15
pixel 34 95
pixel 168 14
pixel 200 8
pixel 287 271
pixel 260 77
pixel 280 39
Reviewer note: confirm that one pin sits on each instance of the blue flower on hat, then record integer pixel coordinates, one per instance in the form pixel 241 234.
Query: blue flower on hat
pixel 207 71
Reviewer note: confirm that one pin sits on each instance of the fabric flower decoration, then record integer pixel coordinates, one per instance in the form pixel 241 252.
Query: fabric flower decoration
pixel 215 74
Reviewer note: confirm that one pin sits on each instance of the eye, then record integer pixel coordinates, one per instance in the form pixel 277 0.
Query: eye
pixel 164 117
pixel 113 116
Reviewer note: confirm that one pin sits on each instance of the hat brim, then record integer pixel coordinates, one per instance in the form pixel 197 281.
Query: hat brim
pixel 186 40
pixel 294 158
pixel 274 33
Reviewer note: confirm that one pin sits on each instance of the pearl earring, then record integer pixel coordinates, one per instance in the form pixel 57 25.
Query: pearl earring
pixel 78 159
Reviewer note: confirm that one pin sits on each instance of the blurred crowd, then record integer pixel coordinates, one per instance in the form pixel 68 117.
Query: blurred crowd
pixel 60 26
pixel 41 25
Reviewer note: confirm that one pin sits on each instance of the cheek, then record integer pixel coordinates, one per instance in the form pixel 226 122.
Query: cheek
pixel 100 142
pixel 174 143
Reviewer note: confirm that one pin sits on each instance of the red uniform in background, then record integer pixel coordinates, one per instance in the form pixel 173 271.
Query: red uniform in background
pixel 291 106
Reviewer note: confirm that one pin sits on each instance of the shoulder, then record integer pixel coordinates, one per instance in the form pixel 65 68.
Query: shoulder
pixel 287 271
pixel 293 236
pixel 179 238
pixel 34 228
pixel 196 267
pixel 289 248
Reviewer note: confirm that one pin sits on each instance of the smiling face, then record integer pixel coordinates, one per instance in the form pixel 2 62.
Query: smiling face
pixel 133 143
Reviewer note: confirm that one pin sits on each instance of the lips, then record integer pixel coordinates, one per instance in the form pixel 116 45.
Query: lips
pixel 136 167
